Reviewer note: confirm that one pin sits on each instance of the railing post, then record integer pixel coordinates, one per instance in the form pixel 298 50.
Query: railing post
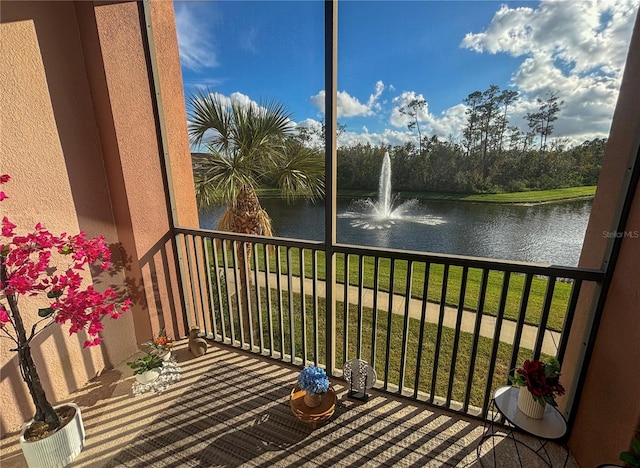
pixel 331 92
pixel 165 161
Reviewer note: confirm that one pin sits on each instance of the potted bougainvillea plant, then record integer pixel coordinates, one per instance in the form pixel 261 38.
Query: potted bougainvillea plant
pixel 30 266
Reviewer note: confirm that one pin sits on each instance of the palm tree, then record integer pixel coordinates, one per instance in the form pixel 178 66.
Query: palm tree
pixel 248 146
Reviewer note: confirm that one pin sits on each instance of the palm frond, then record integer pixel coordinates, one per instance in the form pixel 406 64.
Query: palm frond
pixel 267 229
pixel 226 222
pixel 209 120
pixel 248 143
pixel 301 173
pixel 218 179
pixel 265 221
pixel 260 130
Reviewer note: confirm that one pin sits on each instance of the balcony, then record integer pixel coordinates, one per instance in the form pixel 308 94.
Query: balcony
pixel 459 324
pixel 231 408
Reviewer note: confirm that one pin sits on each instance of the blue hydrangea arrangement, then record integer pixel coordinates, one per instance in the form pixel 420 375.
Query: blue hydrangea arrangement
pixel 313 380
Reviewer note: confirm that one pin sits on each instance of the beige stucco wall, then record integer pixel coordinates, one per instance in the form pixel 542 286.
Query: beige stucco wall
pixel 34 146
pixel 79 137
pixel 173 102
pixel 609 409
pixel 133 158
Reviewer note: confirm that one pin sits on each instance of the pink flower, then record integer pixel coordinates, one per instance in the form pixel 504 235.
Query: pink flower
pixel 4 317
pixel 7 227
pixel 126 305
pixel 3 196
pixel 95 342
pixel 28 271
pixel 95 328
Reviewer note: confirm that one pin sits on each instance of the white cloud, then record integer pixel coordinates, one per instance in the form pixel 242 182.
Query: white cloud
pixel 194 39
pixel 449 123
pixel 386 137
pixel 199 82
pixel 372 102
pixel 311 124
pixel 349 138
pixel 510 31
pixel 315 128
pixel 577 49
pixel 318 101
pixel 349 106
pixel 238 99
pixel 398 119
pixel 584 34
pixel 588 100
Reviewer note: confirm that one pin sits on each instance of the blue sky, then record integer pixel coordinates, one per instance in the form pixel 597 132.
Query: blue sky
pixel 392 52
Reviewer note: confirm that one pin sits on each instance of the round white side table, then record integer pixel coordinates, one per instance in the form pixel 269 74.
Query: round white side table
pixel 551 427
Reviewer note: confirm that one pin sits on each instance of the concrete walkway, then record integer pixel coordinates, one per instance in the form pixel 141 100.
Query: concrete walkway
pixel 488 323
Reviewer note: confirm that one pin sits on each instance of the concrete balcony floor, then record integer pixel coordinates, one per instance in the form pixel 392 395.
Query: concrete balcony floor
pixel 231 408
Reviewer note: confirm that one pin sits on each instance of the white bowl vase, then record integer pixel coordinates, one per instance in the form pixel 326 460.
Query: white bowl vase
pixel 529 406
pixel 166 356
pixel 149 376
pixel 60 448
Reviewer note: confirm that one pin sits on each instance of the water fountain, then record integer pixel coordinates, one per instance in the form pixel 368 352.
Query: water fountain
pixel 381 214
pixel 385 203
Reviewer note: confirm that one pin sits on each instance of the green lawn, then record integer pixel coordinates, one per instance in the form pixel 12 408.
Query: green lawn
pixel 495 280
pixel 537 294
pixel 459 363
pixel 533 196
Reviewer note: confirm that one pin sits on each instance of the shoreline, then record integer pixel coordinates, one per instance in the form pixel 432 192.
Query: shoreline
pixel 528 198
pixel 489 200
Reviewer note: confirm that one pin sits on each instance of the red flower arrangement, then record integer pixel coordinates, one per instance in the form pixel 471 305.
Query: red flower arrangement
pixel 541 379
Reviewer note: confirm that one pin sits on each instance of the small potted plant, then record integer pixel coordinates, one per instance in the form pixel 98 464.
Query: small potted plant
pixel 160 345
pixel 32 264
pixel 631 457
pixel 147 368
pixel 540 384
pixel 314 381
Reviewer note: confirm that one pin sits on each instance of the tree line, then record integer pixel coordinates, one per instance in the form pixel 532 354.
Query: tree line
pixel 445 166
pixel 493 155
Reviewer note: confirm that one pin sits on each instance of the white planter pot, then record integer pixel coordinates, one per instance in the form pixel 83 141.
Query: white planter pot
pixel 166 356
pixel 59 449
pixel 528 405
pixel 148 376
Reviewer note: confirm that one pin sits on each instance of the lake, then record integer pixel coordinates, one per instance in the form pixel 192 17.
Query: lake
pixel 546 233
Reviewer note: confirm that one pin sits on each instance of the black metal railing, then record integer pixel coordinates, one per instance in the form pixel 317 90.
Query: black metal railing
pixel 443 329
